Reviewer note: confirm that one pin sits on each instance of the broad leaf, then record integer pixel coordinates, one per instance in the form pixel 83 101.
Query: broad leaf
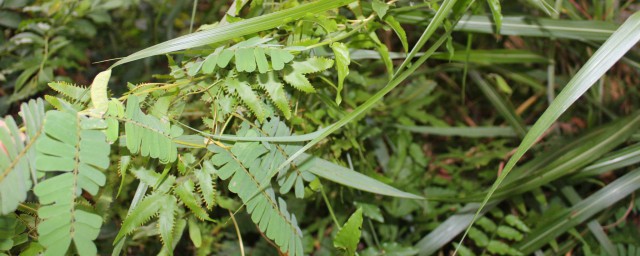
pixel 348 236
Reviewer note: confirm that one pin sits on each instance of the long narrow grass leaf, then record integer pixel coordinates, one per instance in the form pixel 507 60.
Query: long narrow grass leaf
pixel 234 30
pixel 611 51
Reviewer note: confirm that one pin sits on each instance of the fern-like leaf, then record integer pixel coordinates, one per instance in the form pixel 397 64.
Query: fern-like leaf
pixel 167 220
pixel 206 178
pixel 295 73
pixel 187 195
pixel 17 155
pixel 275 90
pixel 71 92
pixel 148 208
pixel 148 135
pixel 241 88
pixel 242 165
pixel 75 145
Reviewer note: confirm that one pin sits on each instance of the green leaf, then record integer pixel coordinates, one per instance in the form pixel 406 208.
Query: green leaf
pixel 509 233
pixel 371 210
pixel 234 30
pixel 402 35
pixel 261 60
pixel 350 178
pixel 295 73
pixel 611 51
pixel 581 212
pixel 148 208
pixel 243 90
pixel 341 52
pixel 71 91
pixel 471 132
pixel 206 179
pixel 210 63
pixel 279 57
pixel 99 97
pixel 496 11
pixel 516 222
pixel 148 135
pixel 479 237
pixel 348 236
pixel 397 79
pixel 115 111
pixel 240 164
pixel 166 220
pixel 380 8
pixel 275 90
pixel 18 156
pixel 186 192
pixel 487 224
pixel 500 248
pixel 245 60
pixel 76 146
pixel 587 30
pixel 194 233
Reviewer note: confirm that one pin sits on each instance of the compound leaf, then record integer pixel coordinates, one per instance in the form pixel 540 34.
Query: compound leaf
pixel 75 145
pixel 17 155
pixel 148 135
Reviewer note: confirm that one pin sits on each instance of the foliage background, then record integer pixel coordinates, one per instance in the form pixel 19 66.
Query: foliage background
pixel 444 133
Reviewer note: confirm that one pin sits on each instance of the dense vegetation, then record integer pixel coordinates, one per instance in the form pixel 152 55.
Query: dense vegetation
pixel 328 127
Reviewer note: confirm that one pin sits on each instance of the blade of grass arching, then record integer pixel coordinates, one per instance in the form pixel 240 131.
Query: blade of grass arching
pixel 581 212
pixel 603 59
pixel 237 29
pixel 572 162
pixel 449 229
pixel 564 160
pixel 470 132
pixel 594 226
pixel 590 30
pixel 350 178
pixel 503 107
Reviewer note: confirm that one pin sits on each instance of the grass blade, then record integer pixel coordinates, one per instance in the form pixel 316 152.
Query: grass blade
pixel 502 106
pixel 594 226
pixel 582 211
pixel 470 132
pixel 449 229
pixel 234 30
pixel 350 178
pixel 611 51
pixel 590 30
